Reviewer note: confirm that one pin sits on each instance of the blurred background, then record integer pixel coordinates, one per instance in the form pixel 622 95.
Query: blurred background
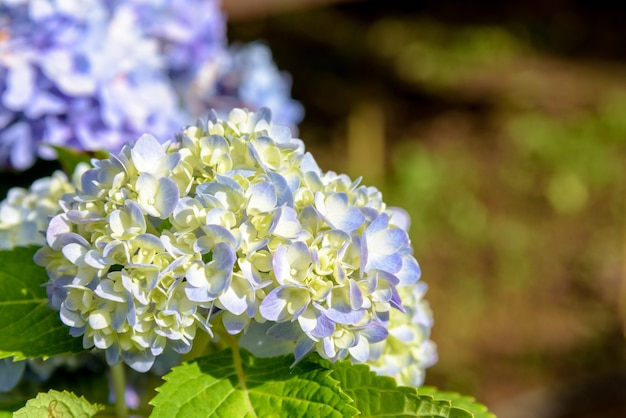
pixel 501 128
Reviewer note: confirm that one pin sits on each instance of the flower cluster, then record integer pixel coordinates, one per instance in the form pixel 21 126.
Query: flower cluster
pixel 75 73
pixel 236 223
pixel 25 213
pixel 245 76
pixel 95 74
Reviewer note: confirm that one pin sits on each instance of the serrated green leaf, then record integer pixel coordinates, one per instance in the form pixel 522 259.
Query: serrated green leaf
pixel 58 404
pixel 29 327
pixel 458 401
pixel 380 396
pixel 69 158
pixel 234 383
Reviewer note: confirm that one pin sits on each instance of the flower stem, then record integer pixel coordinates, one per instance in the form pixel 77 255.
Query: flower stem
pixel 119 384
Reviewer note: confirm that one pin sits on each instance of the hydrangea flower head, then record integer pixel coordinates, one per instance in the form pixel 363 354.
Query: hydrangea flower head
pixel 233 222
pixel 25 213
pixel 78 74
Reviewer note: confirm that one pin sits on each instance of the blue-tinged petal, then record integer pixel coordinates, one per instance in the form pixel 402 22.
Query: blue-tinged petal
pixel 340 307
pixel 286 223
pixel 166 198
pixel 224 255
pixel 399 218
pixel 237 297
pixel 179 346
pixel 395 300
pixel 404 333
pixel 280 265
pixel 89 183
pixel 118 318
pixel 261 198
pixel 219 234
pixel 146 153
pixel 140 361
pixel 374 332
pixel 304 346
pixel 234 324
pixel 356 297
pixel 315 324
pixel 147 242
pixel 96 260
pixel 361 351
pixel 169 163
pixel 274 306
pixel 58 227
pixel 410 271
pixel 308 164
pixel 328 348
pixel 392 279
pixel 379 224
pixel 75 253
pixel 71 318
pixel 337 212
pixel 196 277
pixel 283 190
pixel 113 353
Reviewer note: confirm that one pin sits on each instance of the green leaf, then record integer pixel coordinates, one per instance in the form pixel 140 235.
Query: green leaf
pixel 458 401
pixel 58 404
pixel 29 327
pixel 380 396
pixel 69 158
pixel 234 383
pixel 6 414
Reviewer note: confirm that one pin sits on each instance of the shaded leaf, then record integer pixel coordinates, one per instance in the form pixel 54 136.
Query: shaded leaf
pixel 29 327
pixel 58 404
pixel 234 383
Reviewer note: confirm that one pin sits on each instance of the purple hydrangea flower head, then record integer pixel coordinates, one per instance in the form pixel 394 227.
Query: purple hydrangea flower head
pixel 232 222
pixel 77 74
pixel 245 76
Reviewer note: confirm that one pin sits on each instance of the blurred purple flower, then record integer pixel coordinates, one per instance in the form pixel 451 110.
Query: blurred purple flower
pixel 245 76
pixel 189 32
pixel 95 74
pixel 80 74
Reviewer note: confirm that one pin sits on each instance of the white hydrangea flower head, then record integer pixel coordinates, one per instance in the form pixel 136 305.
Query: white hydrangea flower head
pixel 232 222
pixel 25 213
